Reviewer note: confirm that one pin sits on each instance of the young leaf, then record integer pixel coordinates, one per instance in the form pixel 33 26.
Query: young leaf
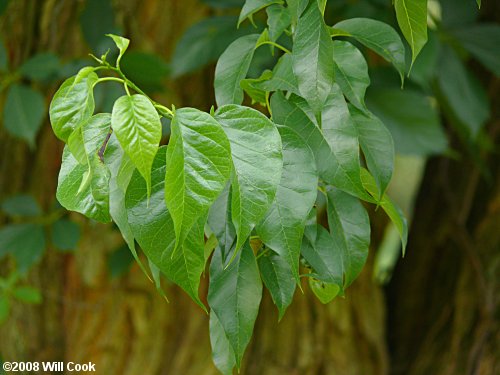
pixel 222 352
pixel 253 6
pixel 283 226
pixel 377 145
pixel 198 167
pixel 278 19
pixel 312 58
pixel 325 292
pixel 122 44
pixel 71 104
pixel 282 77
pixel 390 208
pixel 23 112
pixel 257 159
pixel 378 36
pixel 138 128
pixel 412 19
pixel 234 296
pixel 350 231
pixel 250 86
pixel 277 276
pixel 232 67
pixel 351 72
pixel 153 228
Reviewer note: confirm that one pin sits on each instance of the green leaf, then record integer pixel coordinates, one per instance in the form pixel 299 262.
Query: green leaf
pixel 198 167
pixel 24 112
pixel 41 67
pixel 390 208
pixel 283 226
pixel 138 128
pixel 119 262
pixel 222 352
pixel 26 242
pixel 253 6
pixel 412 19
pixel 282 77
pixel 351 72
pixel 277 276
pixel 72 104
pixel 312 58
pixel 411 118
pixel 324 291
pixel 4 60
pixel 220 222
pixel 257 159
pixel 82 189
pixel 482 41
pixel 278 20
pixel 147 70
pixel 377 145
pixel 122 44
pixel 350 231
pixel 318 250
pixel 379 37
pixel 250 86
pixel 232 67
pixel 98 19
pixel 27 294
pixel 4 308
pixel 21 205
pixel 65 235
pixel 296 7
pixel 153 228
pixel 234 296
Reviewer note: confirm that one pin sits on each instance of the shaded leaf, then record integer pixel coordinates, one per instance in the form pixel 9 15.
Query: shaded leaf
pixel 253 6
pixel 26 243
pixel 412 19
pixel 41 67
pixel 21 205
pixel 65 235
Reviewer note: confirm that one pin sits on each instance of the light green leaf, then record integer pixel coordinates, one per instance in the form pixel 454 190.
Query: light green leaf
pixel 234 296
pixel 23 113
pixel 351 72
pixel 4 308
pixel 26 242
pixel 324 291
pixel 153 228
pixel 122 44
pixel 257 159
pixel 283 226
pixel 390 208
pixel 71 104
pixel 222 352
pixel 41 67
pixel 21 205
pixel 94 133
pixel 312 58
pixel 350 231
pixel 412 19
pixel 282 77
pixel 379 37
pixel 138 128
pixel 478 3
pixel 198 167
pixel 232 67
pixel 377 145
pixel 65 234
pixel 253 6
pixel 27 294
pixel 278 19
pixel 277 276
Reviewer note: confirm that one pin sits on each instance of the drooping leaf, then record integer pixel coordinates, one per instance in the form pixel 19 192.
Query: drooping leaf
pixel 198 167
pixel 65 234
pixel 41 67
pixel 221 224
pixel 26 243
pixel 278 19
pixel 23 113
pixel 72 104
pixel 153 228
pixel 378 36
pixel 232 67
pixel 253 6
pixel 138 128
pixel 412 19
pixel 350 230
pixel 283 226
pixel 21 205
pixel 312 58
pixel 250 86
pixel 351 72
pixel 257 159
pixel 277 276
pixel 325 292
pixel 377 145
pixel 282 77
pixel 234 296
pixel 222 352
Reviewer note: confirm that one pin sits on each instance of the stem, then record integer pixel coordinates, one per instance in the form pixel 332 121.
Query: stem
pixel 276 45
pixel 114 79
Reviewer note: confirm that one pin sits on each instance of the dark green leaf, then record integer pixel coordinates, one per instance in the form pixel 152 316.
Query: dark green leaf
pixel 231 68
pixel 222 352
pixel 282 77
pixel 412 19
pixel 26 242
pixel 198 167
pixel 24 112
pixel 119 262
pixel 27 294
pixel 97 20
pixel 312 58
pixel 4 60
pixel 257 159
pixel 221 224
pixel 41 67
pixel 324 291
pixel 72 104
pixel 278 19
pixel 145 69
pixel 21 205
pixel 234 295
pixel 65 235
pixel 253 6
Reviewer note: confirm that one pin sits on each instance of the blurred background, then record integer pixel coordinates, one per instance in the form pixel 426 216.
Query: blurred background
pixel 70 291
